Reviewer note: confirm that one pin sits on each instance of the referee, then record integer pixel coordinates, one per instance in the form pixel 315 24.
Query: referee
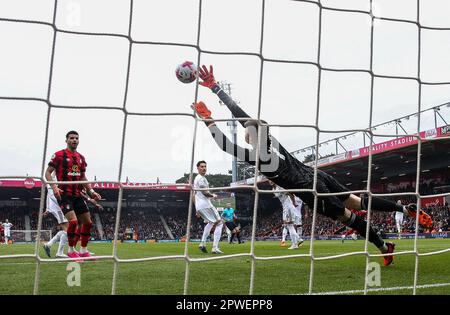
pixel 229 216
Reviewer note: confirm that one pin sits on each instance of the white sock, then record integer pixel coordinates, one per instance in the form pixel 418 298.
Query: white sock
pixel 71 250
pixel 206 231
pixel 283 239
pixel 293 234
pixel 62 242
pixel 55 239
pixel 229 235
pixel 217 235
pixel 300 231
pixel 83 250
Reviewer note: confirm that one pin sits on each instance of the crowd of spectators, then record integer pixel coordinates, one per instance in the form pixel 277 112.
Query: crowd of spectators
pixel 146 224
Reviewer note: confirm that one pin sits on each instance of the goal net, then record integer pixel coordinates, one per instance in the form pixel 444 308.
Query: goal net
pixel 323 50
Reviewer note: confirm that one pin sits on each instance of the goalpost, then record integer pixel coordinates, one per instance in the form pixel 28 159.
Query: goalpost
pixel 42 234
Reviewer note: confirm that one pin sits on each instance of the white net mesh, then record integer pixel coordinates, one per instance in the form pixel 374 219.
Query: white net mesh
pixel 322 9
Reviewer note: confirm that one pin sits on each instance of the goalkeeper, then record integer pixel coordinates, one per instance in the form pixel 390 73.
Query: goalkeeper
pixel 277 164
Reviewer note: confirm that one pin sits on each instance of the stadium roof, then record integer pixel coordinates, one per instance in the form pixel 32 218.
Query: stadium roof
pixel 394 165
pixel 30 188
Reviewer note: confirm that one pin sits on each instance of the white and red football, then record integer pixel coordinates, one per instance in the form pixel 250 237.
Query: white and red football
pixel 186 72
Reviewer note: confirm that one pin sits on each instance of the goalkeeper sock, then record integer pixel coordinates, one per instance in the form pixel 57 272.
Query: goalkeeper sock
pixel 360 226
pixel 239 237
pixel 85 233
pixel 380 204
pixel 283 239
pixel 206 231
pixel 71 232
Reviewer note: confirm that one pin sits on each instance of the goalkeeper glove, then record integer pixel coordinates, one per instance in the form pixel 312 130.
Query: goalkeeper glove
pixel 201 109
pixel 207 76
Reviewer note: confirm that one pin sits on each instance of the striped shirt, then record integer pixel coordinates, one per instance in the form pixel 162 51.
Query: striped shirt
pixel 69 166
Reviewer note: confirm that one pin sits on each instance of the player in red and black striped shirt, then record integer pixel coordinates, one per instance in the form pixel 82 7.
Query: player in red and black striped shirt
pixel 70 165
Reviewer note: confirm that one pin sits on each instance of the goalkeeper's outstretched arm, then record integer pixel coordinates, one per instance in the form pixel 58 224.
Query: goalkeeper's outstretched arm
pixel 229 147
pixel 221 139
pixel 209 81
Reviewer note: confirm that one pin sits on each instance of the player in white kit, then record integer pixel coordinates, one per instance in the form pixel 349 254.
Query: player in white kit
pixel 206 210
pixel 287 202
pixel 7 230
pixel 298 204
pixel 61 237
pixel 399 221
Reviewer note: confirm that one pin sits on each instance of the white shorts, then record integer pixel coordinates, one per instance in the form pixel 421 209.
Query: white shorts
pixel 297 220
pixel 288 215
pixel 399 217
pixel 53 208
pixel 7 234
pixel 210 215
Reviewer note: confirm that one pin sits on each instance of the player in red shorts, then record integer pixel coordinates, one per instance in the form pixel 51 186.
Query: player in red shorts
pixel 70 165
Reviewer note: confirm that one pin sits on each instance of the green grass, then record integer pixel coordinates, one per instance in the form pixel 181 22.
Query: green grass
pixel 230 276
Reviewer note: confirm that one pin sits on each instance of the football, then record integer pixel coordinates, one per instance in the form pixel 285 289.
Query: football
pixel 186 72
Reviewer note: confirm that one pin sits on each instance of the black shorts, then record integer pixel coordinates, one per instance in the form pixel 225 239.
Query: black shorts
pixel 330 206
pixel 231 225
pixel 77 204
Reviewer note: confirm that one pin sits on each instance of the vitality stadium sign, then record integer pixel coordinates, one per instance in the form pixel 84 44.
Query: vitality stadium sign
pixel 385 146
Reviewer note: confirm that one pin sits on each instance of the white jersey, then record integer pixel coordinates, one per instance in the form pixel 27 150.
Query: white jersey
pixel 54 208
pixel 399 217
pixel 7 227
pixel 201 201
pixel 286 203
pixel 52 204
pixel 298 208
pixel 298 211
pixel 285 199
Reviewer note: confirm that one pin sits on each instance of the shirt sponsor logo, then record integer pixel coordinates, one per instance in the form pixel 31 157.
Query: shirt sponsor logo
pixel 74 174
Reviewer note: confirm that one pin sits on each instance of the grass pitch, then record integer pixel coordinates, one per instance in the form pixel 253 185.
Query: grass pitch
pixel 231 276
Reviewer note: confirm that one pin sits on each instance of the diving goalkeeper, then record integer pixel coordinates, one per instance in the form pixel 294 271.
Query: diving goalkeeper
pixel 278 165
